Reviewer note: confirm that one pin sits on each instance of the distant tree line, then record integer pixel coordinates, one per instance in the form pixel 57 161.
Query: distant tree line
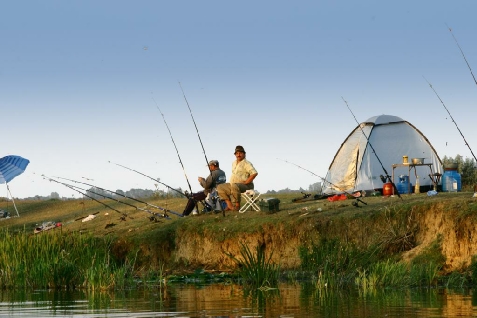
pixel 98 194
pixel 312 188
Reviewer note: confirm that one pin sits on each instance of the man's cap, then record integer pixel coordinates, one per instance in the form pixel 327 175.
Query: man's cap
pixel 239 148
pixel 213 163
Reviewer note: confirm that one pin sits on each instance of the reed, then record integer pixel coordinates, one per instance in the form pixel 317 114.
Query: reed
pixel 424 274
pixel 338 264
pixel 256 269
pixel 456 280
pixel 473 270
pixel 334 262
pixel 396 275
pixel 153 278
pixel 59 260
pixel 388 274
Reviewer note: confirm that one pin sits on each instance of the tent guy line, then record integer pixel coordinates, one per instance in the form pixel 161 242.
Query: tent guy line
pixel 374 151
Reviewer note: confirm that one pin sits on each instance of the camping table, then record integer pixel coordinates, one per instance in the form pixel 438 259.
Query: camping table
pixel 409 167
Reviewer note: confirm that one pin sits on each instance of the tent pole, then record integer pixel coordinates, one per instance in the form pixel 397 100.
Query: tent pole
pixel 8 188
pixel 374 151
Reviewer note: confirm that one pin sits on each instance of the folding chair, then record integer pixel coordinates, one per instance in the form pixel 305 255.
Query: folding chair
pixel 250 196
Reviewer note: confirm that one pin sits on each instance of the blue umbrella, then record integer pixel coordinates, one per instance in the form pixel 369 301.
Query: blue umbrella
pixel 10 167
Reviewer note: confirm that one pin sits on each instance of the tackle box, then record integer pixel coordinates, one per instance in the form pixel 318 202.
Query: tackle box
pixel 269 205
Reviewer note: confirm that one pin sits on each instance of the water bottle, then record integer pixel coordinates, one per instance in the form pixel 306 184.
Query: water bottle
pixel 417 186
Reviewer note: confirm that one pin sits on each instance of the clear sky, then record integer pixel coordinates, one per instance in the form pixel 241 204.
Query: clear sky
pixel 79 81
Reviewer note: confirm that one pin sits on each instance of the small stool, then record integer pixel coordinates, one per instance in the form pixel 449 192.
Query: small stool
pixel 250 196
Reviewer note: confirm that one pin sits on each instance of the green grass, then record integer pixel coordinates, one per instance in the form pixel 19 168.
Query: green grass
pixel 338 241
pixel 58 260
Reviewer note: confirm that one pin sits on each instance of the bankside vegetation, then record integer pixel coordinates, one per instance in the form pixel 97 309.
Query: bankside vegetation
pixel 387 242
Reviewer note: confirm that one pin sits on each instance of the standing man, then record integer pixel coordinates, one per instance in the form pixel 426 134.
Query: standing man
pixel 216 177
pixel 243 174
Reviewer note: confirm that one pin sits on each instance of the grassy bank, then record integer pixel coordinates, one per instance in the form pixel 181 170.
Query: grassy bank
pixel 385 241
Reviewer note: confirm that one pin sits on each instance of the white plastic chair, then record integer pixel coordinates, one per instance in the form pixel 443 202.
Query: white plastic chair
pixel 251 197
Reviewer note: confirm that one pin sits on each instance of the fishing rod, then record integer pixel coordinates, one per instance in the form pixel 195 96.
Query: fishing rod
pixel 156 180
pixel 187 195
pixel 200 140
pixel 465 141
pixel 122 202
pixel 123 215
pixel 374 151
pixel 175 146
pixel 463 55
pixel 128 197
pixel 324 180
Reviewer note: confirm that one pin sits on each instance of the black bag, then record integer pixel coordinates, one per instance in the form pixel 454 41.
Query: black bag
pixel 192 202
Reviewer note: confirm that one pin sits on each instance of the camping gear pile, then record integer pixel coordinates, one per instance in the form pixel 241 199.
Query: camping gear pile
pixel 46 226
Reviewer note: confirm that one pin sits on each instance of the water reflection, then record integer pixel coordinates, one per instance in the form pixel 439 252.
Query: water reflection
pixel 228 300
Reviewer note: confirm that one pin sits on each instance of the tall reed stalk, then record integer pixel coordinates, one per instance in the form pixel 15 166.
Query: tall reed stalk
pixel 334 262
pixel 396 274
pixel 255 268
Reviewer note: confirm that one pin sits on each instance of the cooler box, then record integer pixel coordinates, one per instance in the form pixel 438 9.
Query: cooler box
pixel 269 205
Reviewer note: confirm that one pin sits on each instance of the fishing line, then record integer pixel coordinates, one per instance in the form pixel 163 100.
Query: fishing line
pixel 118 201
pixel 198 135
pixel 183 169
pixel 127 197
pixel 123 215
pixel 324 180
pixel 463 55
pixel 465 141
pixel 374 151
pixel 155 180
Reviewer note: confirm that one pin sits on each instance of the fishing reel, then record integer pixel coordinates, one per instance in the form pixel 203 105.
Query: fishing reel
pixel 305 195
pixel 356 203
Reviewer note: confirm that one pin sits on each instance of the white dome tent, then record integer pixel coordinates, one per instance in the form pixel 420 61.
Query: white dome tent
pixel 356 167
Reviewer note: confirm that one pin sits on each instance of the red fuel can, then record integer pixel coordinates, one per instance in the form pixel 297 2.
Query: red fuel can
pixel 387 189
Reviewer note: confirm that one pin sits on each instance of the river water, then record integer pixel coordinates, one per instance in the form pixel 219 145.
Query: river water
pixel 228 300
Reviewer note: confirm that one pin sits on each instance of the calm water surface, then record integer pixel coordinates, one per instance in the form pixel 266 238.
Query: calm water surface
pixel 219 300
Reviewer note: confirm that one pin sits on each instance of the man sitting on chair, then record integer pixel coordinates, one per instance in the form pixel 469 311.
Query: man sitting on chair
pixel 216 177
pixel 243 174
